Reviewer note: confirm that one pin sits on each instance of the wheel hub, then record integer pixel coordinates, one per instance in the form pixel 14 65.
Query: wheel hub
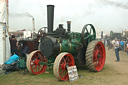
pixel 97 54
pixel 63 66
pixel 36 62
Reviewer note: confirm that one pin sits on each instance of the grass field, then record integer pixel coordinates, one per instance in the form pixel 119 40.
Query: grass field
pixel 113 73
pixel 15 78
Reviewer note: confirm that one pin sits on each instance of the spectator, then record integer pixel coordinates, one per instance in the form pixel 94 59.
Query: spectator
pixel 127 48
pixel 116 49
pixel 14 44
pixel 108 43
pixel 113 43
pixel 122 45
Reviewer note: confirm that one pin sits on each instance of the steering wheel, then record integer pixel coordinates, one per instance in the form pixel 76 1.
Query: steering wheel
pixel 88 34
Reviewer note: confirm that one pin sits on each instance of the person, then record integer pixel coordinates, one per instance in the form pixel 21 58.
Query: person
pixel 113 44
pixel 127 48
pixel 116 49
pixel 14 44
pixel 122 45
pixel 108 43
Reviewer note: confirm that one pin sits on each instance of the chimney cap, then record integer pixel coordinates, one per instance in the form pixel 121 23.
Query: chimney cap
pixel 50 5
pixel 68 21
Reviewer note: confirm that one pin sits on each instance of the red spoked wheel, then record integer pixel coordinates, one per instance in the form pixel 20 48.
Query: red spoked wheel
pixel 95 56
pixel 33 60
pixel 62 61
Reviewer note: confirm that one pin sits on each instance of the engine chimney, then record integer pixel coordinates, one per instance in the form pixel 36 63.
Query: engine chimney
pixel 69 26
pixel 50 17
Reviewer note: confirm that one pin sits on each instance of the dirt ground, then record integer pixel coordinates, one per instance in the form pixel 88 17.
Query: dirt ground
pixel 114 73
pixel 118 70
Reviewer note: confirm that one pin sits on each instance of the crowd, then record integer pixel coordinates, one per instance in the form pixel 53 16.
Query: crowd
pixel 117 45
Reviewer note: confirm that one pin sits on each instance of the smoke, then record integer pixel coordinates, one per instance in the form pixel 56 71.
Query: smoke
pixel 115 3
pixel 12 14
pixel 105 15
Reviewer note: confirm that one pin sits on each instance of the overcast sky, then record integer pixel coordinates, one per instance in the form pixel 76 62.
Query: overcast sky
pixel 105 15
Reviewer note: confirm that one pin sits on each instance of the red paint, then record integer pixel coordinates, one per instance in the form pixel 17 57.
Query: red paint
pixel 99 61
pixel 36 68
pixel 67 60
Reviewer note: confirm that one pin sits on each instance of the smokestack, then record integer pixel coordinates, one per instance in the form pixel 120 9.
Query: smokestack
pixel 69 26
pixel 33 22
pixel 50 17
pixel 101 34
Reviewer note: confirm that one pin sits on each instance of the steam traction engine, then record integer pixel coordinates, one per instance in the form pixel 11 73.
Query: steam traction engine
pixel 62 49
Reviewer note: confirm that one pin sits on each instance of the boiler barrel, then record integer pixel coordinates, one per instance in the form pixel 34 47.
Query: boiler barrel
pixel 50 46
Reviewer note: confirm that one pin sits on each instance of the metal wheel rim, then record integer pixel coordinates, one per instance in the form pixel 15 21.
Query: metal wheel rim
pixel 99 56
pixel 33 62
pixel 95 48
pixel 62 61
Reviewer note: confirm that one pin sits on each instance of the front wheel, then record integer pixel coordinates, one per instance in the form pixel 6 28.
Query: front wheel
pixel 33 62
pixel 95 56
pixel 62 61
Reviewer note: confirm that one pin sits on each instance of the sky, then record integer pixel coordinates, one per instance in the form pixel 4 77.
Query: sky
pixel 105 15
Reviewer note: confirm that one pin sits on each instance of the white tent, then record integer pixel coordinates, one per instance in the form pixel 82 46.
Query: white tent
pixel 4 37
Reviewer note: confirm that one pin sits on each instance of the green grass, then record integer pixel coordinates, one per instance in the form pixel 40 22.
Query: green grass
pixel 88 78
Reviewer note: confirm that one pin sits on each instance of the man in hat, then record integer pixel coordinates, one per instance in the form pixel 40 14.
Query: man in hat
pixel 116 49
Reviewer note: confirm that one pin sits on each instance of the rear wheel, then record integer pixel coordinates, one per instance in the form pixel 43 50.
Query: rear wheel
pixel 63 60
pixel 95 56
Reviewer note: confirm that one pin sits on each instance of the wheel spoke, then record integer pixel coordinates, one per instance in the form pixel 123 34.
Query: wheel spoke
pixel 64 60
pixel 38 68
pixel 40 56
pixel 60 68
pixel 90 30
pixel 98 56
pixel 34 67
pixel 61 71
pixel 99 47
pixel 87 30
pixel 35 56
pixel 95 59
pixel 67 59
pixel 100 64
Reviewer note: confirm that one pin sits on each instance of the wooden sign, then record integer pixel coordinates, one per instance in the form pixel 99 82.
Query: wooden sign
pixel 72 72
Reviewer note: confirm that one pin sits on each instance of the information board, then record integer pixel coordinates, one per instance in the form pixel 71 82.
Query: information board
pixel 72 72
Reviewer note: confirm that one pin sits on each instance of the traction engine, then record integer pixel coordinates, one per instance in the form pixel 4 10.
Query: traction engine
pixel 63 48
